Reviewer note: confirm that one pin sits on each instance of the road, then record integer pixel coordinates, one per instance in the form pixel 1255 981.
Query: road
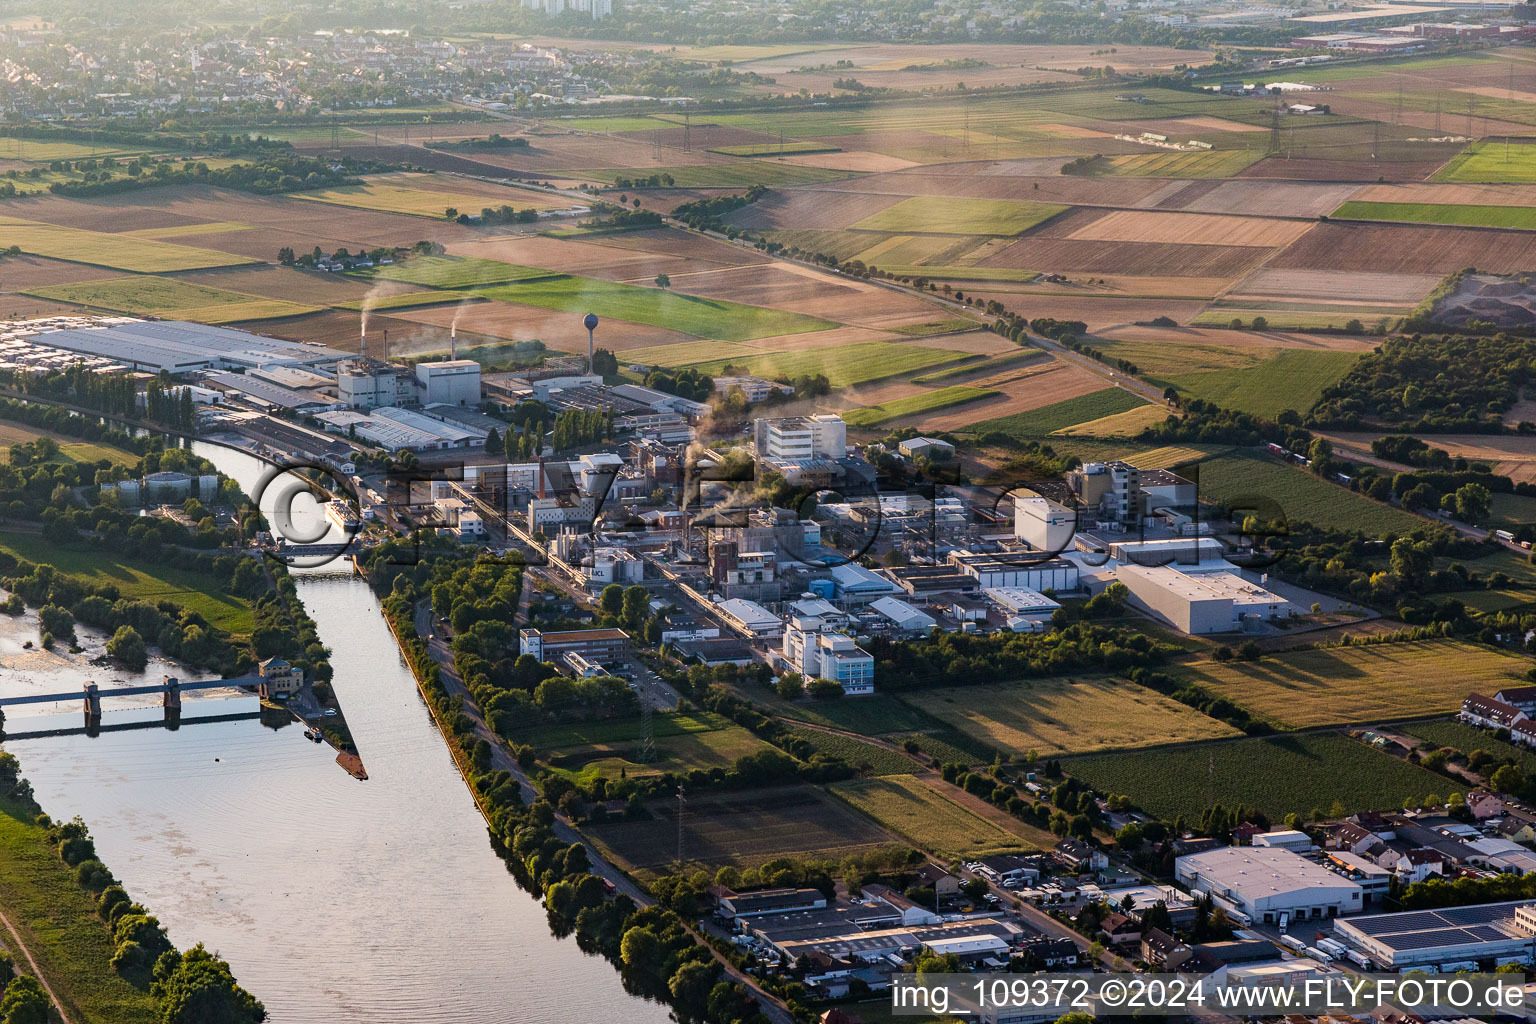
pixel 37 973
pixel 502 760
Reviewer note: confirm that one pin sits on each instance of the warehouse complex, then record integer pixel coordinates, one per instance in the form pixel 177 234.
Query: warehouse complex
pixel 1259 884
pixel 171 346
pixel 1419 938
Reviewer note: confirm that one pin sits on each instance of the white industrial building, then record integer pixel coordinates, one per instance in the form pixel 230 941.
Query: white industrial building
pixel 1042 523
pixel 795 438
pixel 903 616
pixel 749 618
pixel 612 565
pixel 399 429
pixel 1198 603
pixel 370 384
pixel 1257 884
pixel 1501 932
pixel 1054 574
pixel 450 382
pixel 816 652
pixel 1031 609
pixel 172 346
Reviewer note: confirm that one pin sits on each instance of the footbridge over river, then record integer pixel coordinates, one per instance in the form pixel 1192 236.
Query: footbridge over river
pixel 170 688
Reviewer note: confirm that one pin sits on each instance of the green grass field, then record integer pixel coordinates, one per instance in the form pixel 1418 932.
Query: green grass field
pixel 1059 415
pixel 58 924
pixel 1060 716
pixel 1208 163
pixel 1291 378
pixel 886 412
pixel 552 737
pixel 659 307
pixel 939 272
pixel 775 149
pixel 868 758
pixel 868 716
pixel 1492 162
pixel 984 368
pixel 1279 775
pixel 424 202
pixel 684 751
pixel 1368 683
pixel 453 272
pixel 136 579
pixel 1523 217
pixel 1264 487
pixel 844 366
pixel 949 746
pixel 911 809
pixel 117 252
pixel 950 215
pixel 171 299
pixel 1466 738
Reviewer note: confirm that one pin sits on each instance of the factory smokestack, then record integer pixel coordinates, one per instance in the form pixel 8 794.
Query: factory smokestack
pixel 386 344
pixel 453 342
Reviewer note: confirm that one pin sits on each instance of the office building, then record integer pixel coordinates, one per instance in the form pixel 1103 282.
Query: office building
pixel 794 438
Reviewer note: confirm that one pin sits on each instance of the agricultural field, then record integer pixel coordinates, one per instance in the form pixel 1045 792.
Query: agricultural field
pixel 116 252
pixel 69 450
pixel 1522 217
pixel 1121 424
pixel 171 299
pixel 726 174
pixel 1280 775
pixel 1448 732
pixel 406 300
pixel 1270 489
pixel 1289 379
pixel 683 743
pixel 429 202
pixel 658 307
pixel 1067 716
pixel 868 758
pixel 1061 415
pixel 928 401
pixel 1157 226
pixel 741 827
pixel 843 366
pixel 908 807
pixel 452 272
pixel 867 716
pixel 1492 162
pixel 1210 163
pixel 775 149
pixel 1280 318
pixel 1359 684
pixel 137 579
pixel 958 216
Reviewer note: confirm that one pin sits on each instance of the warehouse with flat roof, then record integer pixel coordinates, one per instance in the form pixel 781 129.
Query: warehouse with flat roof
pixel 1259 884
pixel 172 346
pixel 1418 938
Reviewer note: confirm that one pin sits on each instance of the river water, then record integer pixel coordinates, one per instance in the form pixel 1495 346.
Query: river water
pixel 375 902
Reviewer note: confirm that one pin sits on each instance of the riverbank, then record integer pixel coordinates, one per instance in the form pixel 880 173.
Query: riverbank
pixel 58 925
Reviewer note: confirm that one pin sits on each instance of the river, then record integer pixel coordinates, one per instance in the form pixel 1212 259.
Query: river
pixel 373 902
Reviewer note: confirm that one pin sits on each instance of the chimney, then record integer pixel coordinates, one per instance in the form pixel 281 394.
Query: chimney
pixel 453 342
pixel 386 344
pixel 541 471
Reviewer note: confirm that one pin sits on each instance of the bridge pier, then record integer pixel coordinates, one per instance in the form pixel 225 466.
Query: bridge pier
pixel 172 697
pixel 92 702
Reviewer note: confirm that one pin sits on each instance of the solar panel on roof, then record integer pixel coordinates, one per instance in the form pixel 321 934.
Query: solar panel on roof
pixel 1389 924
pixel 1487 932
pixel 1427 939
pixel 1477 914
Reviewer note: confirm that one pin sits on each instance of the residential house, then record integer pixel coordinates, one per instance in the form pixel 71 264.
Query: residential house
pixel 1489 712
pixel 1517 828
pixel 942 882
pixel 1080 856
pixel 1049 952
pixel 1121 929
pixel 911 913
pixel 1160 949
pixel 1484 805
pixel 1417 865
pixel 1356 839
pixel 1522 697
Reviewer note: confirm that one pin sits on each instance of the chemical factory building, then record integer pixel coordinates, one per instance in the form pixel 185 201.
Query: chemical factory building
pixel 1259 884
pixel 174 346
pixel 1203 602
